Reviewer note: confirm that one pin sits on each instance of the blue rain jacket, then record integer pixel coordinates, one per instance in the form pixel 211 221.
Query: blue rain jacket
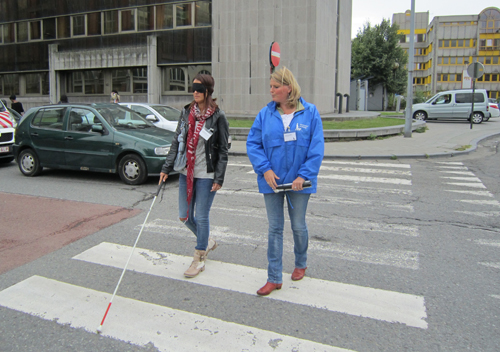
pixel 267 149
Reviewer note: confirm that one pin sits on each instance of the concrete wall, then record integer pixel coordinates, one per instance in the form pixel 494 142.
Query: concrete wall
pixel 306 31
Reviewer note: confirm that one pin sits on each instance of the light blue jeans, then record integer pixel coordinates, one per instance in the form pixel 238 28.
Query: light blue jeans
pixel 275 215
pixel 199 208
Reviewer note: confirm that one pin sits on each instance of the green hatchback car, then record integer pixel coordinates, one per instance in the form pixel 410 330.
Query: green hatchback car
pixel 91 137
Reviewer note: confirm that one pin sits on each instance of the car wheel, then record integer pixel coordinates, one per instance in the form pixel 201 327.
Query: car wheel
pixel 420 115
pixel 29 164
pixel 132 169
pixel 477 117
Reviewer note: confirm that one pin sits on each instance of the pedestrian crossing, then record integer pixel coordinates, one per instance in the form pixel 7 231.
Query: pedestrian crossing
pixel 346 190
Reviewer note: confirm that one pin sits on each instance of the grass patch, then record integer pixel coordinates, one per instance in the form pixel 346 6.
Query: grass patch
pixel 337 125
pixel 391 113
pixel 464 147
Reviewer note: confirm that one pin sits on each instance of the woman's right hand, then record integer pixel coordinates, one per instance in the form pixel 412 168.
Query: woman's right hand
pixel 163 177
pixel 271 178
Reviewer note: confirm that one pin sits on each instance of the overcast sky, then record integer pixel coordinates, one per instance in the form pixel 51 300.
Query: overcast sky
pixel 374 11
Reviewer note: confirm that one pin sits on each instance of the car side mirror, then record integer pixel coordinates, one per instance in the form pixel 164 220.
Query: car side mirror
pixel 151 118
pixel 98 129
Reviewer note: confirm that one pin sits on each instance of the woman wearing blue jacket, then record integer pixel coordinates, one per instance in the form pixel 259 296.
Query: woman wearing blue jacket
pixel 286 145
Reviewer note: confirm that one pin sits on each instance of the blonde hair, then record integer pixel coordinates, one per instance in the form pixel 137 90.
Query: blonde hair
pixel 286 78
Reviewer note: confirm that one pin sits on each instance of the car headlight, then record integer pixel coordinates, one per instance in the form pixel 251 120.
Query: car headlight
pixel 162 150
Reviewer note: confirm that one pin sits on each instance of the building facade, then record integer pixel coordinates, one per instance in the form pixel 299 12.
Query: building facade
pixel 448 44
pixel 150 50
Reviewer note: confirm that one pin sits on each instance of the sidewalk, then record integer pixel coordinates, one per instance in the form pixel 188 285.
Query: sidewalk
pixel 442 138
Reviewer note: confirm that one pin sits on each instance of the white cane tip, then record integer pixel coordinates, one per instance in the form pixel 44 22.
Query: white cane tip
pixel 99 329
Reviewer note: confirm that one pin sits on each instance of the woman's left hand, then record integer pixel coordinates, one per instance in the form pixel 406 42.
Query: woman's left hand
pixel 215 187
pixel 297 184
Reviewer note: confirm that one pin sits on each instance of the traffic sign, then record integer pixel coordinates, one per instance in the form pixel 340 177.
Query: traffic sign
pixel 274 55
pixel 475 70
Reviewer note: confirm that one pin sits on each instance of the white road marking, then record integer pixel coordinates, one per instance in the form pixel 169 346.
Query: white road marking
pixel 483 214
pixel 454 167
pixel 476 193
pixel 467 173
pixel 242 165
pixel 450 162
pixel 141 323
pixel 481 202
pixel 367 171
pixel 365 190
pixel 372 164
pixel 495 296
pixel 472 185
pixel 398 181
pixel 490 265
pixel 488 243
pixel 354 300
pixel 378 256
pixel 468 179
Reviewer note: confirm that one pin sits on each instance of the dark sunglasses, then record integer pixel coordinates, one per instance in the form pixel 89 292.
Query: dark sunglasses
pixel 200 88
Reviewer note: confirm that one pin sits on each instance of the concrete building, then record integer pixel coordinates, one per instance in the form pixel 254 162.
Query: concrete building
pixel 448 44
pixel 150 50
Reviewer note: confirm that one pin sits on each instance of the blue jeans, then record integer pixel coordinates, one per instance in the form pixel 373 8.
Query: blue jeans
pixel 199 208
pixel 275 215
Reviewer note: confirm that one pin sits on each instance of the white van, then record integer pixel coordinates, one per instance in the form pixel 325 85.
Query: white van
pixel 454 104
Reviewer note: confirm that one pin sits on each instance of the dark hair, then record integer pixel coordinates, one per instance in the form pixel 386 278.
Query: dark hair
pixel 12 97
pixel 64 98
pixel 209 83
pixel 114 91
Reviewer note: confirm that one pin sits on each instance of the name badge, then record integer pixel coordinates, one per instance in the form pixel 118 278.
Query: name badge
pixel 206 134
pixel 290 136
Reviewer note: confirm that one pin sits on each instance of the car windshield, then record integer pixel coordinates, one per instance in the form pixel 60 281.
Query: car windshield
pixel 121 117
pixel 167 112
pixel 490 100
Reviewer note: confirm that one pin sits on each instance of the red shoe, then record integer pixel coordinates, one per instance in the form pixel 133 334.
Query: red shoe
pixel 298 274
pixel 268 288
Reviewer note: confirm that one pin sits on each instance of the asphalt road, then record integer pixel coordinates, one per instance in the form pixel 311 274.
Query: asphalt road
pixel 403 256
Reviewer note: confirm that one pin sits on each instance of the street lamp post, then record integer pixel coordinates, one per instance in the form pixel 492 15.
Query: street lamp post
pixel 411 67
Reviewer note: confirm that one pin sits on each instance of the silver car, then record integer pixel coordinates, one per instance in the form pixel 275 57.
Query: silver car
pixel 162 116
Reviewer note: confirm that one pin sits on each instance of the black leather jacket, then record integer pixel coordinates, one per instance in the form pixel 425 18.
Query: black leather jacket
pixel 216 148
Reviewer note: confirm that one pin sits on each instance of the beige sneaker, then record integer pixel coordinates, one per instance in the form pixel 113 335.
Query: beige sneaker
pixel 212 244
pixel 197 265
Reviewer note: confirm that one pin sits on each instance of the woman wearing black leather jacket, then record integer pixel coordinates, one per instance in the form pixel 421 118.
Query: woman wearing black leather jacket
pixel 205 130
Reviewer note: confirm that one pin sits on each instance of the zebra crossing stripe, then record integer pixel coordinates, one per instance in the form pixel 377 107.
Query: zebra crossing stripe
pixel 349 299
pixel 141 323
pixel 397 181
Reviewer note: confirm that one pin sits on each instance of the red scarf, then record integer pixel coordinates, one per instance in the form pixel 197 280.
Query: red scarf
pixel 192 143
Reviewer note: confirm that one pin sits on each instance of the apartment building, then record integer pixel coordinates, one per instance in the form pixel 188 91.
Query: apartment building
pixel 448 44
pixel 150 50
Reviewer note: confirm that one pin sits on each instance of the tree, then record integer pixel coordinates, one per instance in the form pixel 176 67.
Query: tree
pixel 377 56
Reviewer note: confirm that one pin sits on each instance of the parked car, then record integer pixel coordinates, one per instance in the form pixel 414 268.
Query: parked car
pixel 494 108
pixel 91 137
pixel 454 104
pixel 162 116
pixel 7 128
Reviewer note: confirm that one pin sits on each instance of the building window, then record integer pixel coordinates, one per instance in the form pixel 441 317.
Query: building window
pixel 140 80
pixel 183 15
pixel 49 28
pixel 9 33
pixel 63 27
pixel 203 12
pixel 121 80
pixel 11 84
pixel 75 82
pixel 180 78
pixel 127 20
pixel 78 25
pixel 35 30
pixel 164 17
pixel 145 18
pixel 22 31
pixel 93 82
pixel 94 23
pixel 37 83
pixel 110 22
